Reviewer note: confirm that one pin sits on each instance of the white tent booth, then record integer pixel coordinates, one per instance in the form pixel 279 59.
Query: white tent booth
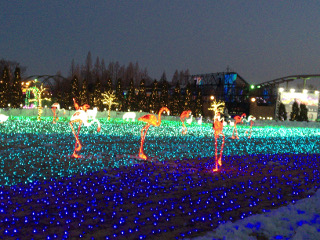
pixel 307 97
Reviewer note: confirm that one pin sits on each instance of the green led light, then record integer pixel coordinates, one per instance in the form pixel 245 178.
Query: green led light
pixel 32 150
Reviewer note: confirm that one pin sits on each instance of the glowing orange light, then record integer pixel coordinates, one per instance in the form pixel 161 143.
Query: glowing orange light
pixel 150 120
pixel 218 128
pixel 238 119
pixel 82 116
pixel 183 116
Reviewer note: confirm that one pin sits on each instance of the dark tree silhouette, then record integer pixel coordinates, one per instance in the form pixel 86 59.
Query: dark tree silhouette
pixel 282 113
pixel 175 78
pixel 4 87
pixel 176 101
pixel 164 96
pixel 16 91
pixel 84 93
pixel 187 98
pixel 154 98
pixel 75 92
pixel 108 87
pixel 142 97
pixel 295 111
pixel 119 95
pixel 11 66
pixel 303 116
pixel 198 104
pixel 97 95
pixel 163 78
pixel 131 97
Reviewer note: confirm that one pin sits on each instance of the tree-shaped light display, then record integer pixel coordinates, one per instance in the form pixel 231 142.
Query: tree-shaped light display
pixel 37 92
pixel 109 99
pixel 216 106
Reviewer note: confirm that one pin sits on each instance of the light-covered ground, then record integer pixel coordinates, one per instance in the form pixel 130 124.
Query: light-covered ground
pixel 173 195
pixel 28 145
pixel 300 220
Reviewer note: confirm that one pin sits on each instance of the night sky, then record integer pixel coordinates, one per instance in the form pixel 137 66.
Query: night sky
pixel 261 40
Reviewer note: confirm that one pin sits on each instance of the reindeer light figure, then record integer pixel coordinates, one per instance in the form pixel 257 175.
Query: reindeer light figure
pixel 217 107
pixel 81 116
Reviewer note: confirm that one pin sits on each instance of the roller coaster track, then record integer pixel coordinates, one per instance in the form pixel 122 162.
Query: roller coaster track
pixel 45 79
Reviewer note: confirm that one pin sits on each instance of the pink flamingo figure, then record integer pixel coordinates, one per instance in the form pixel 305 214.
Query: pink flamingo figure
pixel 183 116
pixel 238 119
pixel 54 108
pixel 81 116
pixel 218 128
pixel 150 119
pixel 251 120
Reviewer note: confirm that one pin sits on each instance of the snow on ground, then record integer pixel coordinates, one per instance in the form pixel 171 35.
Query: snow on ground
pixel 300 220
pixel 117 142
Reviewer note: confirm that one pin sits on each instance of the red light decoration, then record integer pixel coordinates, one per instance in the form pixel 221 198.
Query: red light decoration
pixel 76 105
pixel 238 119
pixel 150 119
pixel 218 128
pixel 81 116
pixel 183 116
pixel 251 120
pixel 54 108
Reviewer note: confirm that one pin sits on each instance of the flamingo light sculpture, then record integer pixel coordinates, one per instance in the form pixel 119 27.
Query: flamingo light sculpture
pixel 183 116
pixel 218 128
pixel 81 116
pixel 251 120
pixel 238 119
pixel 54 108
pixel 76 105
pixel 150 119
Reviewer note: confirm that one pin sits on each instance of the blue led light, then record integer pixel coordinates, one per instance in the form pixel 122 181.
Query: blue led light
pixel 110 188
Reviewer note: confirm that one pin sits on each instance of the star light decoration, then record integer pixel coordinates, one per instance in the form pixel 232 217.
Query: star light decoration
pixel 37 92
pixel 109 99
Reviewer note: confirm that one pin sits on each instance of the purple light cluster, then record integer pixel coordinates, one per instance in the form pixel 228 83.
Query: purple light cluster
pixel 164 200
